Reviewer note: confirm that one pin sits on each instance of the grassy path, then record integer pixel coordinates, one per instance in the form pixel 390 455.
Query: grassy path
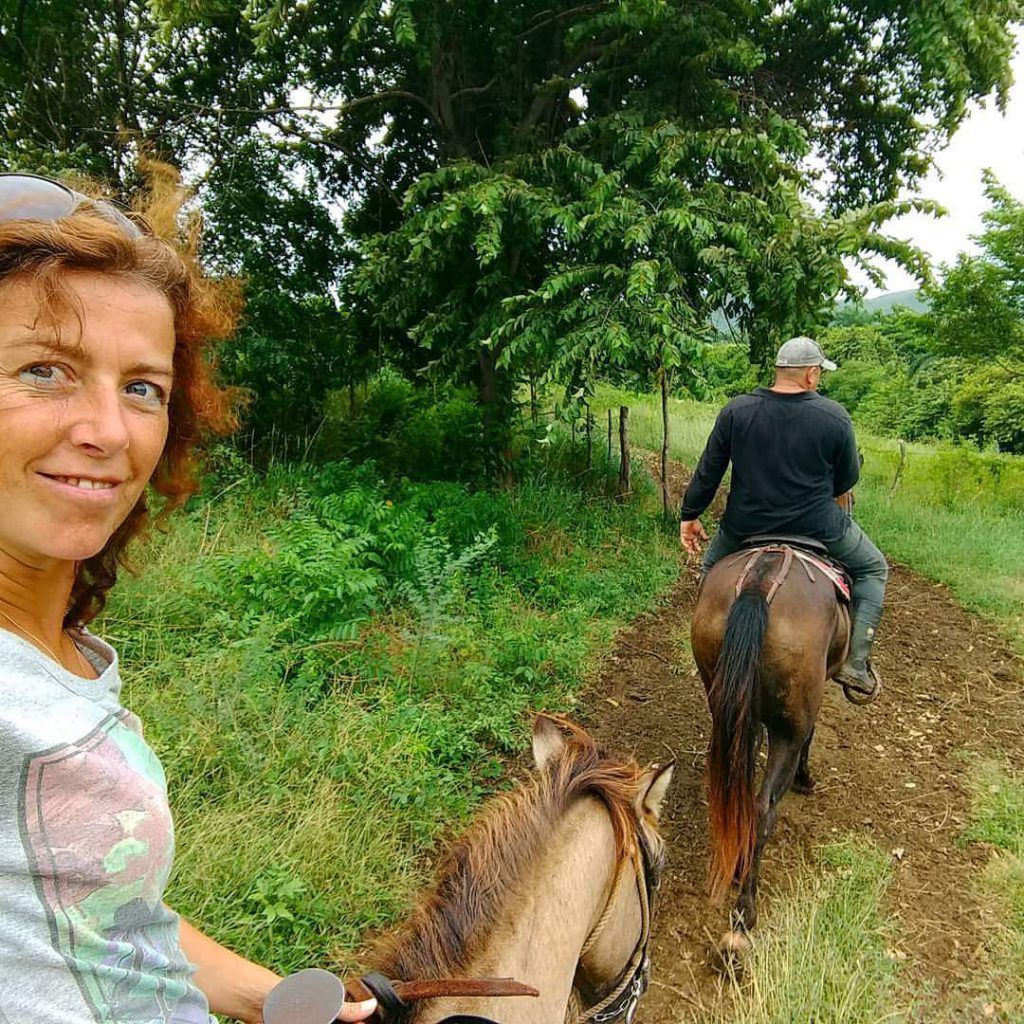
pixel 875 906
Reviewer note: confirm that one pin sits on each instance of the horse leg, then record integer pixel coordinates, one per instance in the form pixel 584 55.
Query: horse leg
pixel 804 783
pixel 783 758
pixel 756 742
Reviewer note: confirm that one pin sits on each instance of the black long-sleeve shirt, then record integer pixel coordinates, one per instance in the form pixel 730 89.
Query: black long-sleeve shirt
pixel 791 455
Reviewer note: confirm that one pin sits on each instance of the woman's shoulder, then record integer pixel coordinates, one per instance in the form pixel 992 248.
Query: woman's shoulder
pixel 41 701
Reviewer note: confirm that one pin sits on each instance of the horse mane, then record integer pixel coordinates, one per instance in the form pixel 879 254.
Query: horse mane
pixel 486 866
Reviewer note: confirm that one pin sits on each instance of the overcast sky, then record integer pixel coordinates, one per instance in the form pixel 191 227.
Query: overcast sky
pixel 986 139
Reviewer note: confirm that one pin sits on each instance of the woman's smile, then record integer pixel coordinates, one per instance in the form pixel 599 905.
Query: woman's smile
pixel 83 488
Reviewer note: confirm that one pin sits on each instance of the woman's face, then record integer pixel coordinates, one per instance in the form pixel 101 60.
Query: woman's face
pixel 83 413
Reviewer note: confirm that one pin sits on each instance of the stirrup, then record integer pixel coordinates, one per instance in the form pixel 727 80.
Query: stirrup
pixel 854 693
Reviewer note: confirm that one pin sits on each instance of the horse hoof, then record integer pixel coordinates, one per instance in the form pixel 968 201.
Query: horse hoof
pixel 804 786
pixel 734 947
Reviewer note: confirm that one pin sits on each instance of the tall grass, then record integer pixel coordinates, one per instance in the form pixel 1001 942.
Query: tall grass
pixel 998 820
pixel 952 513
pixel 825 954
pixel 332 670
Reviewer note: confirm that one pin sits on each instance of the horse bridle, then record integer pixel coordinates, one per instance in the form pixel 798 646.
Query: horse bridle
pixel 624 993
pixel 315 995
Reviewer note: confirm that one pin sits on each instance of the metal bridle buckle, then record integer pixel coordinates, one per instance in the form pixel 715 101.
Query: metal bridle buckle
pixel 626 1006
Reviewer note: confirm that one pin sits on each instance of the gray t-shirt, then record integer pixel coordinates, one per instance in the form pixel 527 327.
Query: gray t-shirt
pixel 86 845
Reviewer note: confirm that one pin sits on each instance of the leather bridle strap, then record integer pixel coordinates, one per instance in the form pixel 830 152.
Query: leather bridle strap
pixel 578 1014
pixel 393 997
pixel 391 1006
pixel 463 1018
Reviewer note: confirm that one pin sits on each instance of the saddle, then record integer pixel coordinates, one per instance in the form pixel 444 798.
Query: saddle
pixel 811 554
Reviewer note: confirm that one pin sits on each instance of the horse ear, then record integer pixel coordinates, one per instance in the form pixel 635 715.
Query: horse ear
pixel 653 787
pixel 548 741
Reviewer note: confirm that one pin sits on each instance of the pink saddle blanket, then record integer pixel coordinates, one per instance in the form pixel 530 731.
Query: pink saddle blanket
pixel 836 575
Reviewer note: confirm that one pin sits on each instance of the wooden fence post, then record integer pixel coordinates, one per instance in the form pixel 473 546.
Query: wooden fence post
pixel 624 467
pixel 666 500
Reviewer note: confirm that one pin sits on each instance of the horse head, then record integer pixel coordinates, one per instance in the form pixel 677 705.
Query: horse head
pixel 552 884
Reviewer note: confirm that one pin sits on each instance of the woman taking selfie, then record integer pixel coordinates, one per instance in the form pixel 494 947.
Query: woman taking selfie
pixel 105 392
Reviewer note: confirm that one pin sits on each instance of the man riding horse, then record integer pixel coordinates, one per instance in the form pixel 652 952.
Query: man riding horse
pixel 793 452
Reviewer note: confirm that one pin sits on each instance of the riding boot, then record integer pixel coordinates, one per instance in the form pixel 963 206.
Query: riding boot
pixel 857 674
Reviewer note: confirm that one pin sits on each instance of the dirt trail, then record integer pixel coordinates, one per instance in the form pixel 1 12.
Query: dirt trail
pixel 893 773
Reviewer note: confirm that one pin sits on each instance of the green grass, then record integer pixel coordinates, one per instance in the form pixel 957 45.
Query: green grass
pixel 998 820
pixel 825 954
pixel 956 515
pixel 333 671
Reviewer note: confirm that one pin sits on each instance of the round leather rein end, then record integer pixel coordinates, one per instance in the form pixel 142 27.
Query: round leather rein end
pixel 312 996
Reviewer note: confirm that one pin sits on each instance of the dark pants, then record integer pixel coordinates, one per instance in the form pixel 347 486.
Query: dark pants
pixel 864 562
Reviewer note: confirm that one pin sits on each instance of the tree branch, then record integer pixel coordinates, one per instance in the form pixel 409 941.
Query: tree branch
pixel 593 8
pixel 474 89
pixel 314 108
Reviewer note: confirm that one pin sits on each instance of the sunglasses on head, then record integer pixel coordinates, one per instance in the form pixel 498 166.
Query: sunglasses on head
pixel 33 197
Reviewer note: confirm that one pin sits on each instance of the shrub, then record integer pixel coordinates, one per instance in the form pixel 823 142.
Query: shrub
pixel 413 431
pixel 989 407
pixel 727 371
pixel 854 382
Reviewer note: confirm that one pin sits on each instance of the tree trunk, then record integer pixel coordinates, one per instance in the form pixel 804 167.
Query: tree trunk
pixel 533 400
pixel 495 402
pixel 624 480
pixel 666 498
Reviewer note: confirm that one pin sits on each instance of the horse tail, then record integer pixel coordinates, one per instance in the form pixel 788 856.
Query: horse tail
pixel 730 763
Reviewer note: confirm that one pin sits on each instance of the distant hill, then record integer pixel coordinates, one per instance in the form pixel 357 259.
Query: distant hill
pixel 910 298
pixel 844 312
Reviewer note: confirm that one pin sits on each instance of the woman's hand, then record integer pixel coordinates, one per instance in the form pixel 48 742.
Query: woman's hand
pixel 692 535
pixel 236 987
pixel 358 1011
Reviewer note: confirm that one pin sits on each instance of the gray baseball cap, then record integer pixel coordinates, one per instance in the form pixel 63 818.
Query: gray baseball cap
pixel 802 351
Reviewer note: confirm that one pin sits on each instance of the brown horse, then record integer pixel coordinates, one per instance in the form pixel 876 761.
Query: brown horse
pixel 764 670
pixel 552 886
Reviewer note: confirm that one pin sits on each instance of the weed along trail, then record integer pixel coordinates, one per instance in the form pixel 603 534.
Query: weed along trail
pixel 894 781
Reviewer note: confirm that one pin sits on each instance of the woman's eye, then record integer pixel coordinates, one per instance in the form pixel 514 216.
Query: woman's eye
pixel 150 393
pixel 43 375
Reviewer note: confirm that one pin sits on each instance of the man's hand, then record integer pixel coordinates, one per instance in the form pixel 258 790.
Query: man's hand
pixel 692 535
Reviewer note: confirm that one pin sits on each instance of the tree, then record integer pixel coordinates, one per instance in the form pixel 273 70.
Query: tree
pixel 610 81
pixel 978 310
pixel 977 314
pixel 456 135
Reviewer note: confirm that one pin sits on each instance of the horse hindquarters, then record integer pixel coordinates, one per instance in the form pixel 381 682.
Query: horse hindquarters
pixel 732 752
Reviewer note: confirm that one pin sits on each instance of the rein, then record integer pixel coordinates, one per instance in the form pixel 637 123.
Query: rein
pixel 316 996
pixel 621 1002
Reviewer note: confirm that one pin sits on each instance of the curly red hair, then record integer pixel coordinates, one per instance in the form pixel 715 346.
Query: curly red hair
pixel 44 252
